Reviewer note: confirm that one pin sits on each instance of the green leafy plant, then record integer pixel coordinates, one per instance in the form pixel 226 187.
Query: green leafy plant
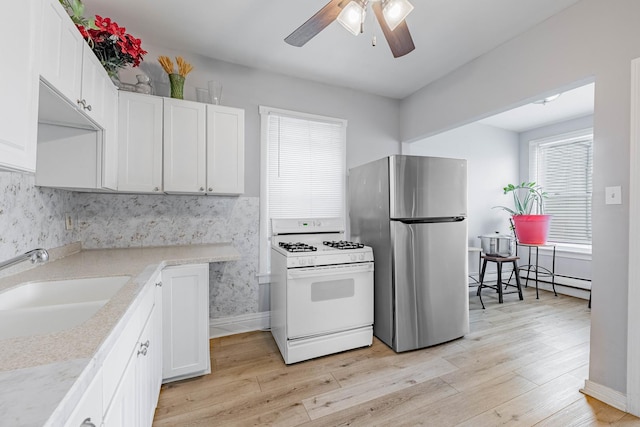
pixel 75 9
pixel 526 196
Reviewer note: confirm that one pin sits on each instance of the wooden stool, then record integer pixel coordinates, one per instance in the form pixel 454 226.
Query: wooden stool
pixel 498 287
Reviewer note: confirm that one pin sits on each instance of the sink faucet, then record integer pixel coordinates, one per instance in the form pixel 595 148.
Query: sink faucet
pixel 35 255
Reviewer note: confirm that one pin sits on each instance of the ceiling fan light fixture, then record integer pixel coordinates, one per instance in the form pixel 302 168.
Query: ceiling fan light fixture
pixel 352 16
pixel 395 11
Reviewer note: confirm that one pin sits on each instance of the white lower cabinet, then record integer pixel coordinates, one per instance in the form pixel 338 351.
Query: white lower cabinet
pixel 165 339
pixel 185 297
pixel 132 371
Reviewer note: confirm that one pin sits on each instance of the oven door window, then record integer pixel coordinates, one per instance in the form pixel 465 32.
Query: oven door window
pixel 329 299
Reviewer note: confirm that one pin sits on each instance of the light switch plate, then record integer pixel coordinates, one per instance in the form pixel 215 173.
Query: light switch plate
pixel 613 195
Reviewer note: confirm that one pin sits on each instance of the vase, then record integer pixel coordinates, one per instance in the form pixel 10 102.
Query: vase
pixel 532 229
pixel 177 86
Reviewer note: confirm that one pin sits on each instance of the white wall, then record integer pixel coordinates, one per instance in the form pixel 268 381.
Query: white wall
pixel 593 38
pixel 492 162
pixel 373 122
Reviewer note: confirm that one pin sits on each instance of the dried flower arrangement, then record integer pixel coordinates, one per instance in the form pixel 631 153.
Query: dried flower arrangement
pixel 176 80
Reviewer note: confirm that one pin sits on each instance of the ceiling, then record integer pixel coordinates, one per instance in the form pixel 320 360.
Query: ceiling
pixel 570 105
pixel 447 34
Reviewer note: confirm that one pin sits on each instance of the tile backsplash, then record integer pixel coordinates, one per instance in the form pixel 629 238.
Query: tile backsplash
pixel 34 217
pixel 124 220
pixel 30 216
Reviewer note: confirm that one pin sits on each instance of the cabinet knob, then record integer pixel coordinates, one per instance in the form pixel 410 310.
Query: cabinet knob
pixel 88 107
pixel 143 351
pixel 201 188
pixel 156 189
pixel 210 189
pixel 87 423
pixel 81 102
pixel 159 284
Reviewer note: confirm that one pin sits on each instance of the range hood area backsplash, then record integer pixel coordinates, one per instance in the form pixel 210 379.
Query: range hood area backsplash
pixel 33 216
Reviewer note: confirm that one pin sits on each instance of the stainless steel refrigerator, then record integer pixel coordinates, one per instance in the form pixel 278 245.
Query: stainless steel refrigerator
pixel 412 211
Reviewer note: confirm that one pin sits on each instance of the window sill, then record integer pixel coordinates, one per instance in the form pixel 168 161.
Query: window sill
pixel 566 250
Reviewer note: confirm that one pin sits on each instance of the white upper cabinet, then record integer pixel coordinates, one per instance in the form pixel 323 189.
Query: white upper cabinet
pixel 185 142
pixel 19 28
pixel 225 150
pixel 69 66
pixel 140 143
pixel 62 50
pixel 97 89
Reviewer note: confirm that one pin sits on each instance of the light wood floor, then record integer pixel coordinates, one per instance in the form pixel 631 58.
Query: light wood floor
pixel 522 364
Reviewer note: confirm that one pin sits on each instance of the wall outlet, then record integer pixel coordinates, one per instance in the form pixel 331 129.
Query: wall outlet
pixel 68 221
pixel 613 195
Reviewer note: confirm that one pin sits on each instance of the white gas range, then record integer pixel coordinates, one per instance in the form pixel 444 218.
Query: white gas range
pixel 321 289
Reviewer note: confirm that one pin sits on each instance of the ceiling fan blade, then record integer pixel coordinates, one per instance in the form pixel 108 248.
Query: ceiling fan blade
pixel 316 23
pixel 399 40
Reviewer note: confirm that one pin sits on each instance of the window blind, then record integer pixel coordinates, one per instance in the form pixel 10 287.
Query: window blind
pixel 564 167
pixel 303 170
pixel 306 168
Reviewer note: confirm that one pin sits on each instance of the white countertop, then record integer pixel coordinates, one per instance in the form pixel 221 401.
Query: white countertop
pixel 46 374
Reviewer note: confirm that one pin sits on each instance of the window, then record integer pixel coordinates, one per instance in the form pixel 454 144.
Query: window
pixel 563 166
pixel 303 170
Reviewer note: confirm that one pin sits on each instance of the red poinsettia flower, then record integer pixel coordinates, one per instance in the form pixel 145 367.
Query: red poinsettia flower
pixel 112 45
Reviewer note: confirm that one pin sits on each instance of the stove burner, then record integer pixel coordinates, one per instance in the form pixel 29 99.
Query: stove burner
pixel 343 244
pixel 297 247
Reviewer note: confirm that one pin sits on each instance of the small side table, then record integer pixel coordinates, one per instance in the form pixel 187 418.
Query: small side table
pixel 538 270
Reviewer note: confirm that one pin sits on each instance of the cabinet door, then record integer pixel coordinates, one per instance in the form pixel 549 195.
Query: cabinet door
pixel 149 364
pixel 140 143
pixel 225 150
pixel 110 139
pixel 89 409
pixel 185 325
pixel 184 146
pixel 19 85
pixel 96 83
pixel 124 405
pixel 61 59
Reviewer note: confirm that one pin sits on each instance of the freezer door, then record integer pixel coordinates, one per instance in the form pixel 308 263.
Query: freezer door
pixel 429 283
pixel 427 187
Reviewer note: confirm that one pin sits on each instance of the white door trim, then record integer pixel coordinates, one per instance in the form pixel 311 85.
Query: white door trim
pixel 633 316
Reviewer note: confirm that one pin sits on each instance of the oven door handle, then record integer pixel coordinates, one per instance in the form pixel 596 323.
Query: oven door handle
pixel 298 273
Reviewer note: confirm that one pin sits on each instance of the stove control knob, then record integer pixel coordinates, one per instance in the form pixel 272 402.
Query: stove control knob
pixel 353 257
pixel 310 261
pixel 301 261
pixel 361 257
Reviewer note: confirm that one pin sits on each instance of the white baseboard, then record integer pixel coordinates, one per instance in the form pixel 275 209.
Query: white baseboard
pixel 605 394
pixel 583 292
pixel 239 324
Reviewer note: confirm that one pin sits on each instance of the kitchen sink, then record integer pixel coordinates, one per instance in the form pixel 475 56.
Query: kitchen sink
pixel 37 308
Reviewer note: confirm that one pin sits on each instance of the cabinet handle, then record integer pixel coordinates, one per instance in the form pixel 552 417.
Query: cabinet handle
pixel 87 423
pixel 159 284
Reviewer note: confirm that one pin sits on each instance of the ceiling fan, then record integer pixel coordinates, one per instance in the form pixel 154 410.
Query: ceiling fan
pixel 350 14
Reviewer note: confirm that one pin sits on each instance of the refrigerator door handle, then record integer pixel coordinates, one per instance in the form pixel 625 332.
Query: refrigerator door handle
pixel 429 220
